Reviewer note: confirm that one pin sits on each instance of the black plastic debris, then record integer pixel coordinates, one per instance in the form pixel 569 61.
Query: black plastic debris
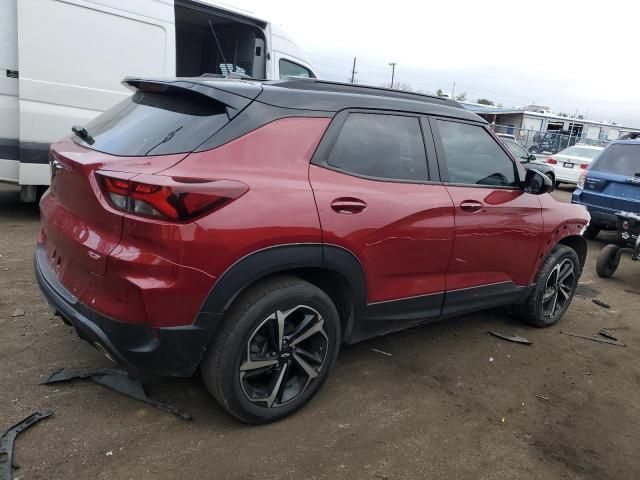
pixel 116 380
pixel 8 438
pixel 510 338
pixel 606 334
pixel 596 338
pixel 601 303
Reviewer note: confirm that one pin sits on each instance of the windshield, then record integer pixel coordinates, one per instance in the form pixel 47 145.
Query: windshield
pixel 150 123
pixel 581 152
pixel 619 159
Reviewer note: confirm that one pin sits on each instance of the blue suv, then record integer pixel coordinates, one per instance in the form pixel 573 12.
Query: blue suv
pixel 611 184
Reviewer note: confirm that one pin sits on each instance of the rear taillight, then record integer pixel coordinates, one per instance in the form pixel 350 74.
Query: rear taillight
pixel 169 198
pixel 551 161
pixel 582 179
pixel 584 166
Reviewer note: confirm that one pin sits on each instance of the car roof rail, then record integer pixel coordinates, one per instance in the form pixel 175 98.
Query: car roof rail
pixel 314 84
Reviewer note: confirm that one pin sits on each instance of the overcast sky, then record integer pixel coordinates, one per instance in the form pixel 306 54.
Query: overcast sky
pixel 570 56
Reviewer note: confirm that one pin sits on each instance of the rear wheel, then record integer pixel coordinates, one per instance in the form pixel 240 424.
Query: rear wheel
pixel 275 350
pixel 591 232
pixel 608 261
pixel 555 285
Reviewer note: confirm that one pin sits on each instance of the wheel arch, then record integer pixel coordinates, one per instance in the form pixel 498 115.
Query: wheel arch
pixel 578 244
pixel 331 268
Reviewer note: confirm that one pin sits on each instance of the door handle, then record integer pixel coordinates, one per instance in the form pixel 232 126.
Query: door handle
pixel 471 206
pixel 348 206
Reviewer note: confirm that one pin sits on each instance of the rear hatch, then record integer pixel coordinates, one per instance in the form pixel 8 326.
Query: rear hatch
pixel 613 181
pixel 150 131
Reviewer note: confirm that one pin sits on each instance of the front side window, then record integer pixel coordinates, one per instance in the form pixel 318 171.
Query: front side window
pixel 382 146
pixel 473 157
pixel 291 69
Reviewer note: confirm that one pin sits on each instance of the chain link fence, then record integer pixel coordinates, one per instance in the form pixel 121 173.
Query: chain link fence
pixel 544 142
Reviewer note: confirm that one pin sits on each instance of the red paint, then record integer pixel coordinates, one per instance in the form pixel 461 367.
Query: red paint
pixel 497 243
pixel 403 237
pixel 411 239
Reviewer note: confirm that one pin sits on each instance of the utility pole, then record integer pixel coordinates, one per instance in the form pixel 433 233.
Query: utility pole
pixel 353 71
pixel 453 89
pixel 393 71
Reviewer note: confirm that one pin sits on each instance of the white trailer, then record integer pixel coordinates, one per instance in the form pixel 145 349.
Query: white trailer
pixel 62 61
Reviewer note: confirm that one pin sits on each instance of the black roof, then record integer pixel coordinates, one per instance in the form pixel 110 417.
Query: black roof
pixel 318 95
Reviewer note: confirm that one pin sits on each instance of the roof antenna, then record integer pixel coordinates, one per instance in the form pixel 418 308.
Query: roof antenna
pixel 215 37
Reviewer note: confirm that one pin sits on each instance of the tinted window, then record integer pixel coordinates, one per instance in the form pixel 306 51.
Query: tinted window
pixel 474 157
pixel 516 150
pixel 290 69
pixel 385 146
pixel 148 123
pixel 620 159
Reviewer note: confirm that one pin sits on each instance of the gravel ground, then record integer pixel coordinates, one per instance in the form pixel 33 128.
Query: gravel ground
pixel 449 401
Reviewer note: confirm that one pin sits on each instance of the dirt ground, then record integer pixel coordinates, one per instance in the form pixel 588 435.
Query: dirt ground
pixel 449 401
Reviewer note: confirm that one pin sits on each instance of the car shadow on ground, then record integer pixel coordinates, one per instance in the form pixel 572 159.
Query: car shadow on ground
pixel 13 208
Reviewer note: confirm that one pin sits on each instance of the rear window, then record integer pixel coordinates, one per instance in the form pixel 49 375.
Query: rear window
pixel 619 159
pixel 150 123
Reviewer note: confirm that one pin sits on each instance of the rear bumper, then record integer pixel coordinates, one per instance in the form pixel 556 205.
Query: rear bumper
pixel 170 351
pixel 601 217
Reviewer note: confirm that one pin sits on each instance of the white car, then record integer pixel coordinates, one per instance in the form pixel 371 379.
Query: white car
pixel 568 164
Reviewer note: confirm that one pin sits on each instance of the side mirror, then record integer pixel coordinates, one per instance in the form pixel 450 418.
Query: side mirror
pixel 532 158
pixel 537 183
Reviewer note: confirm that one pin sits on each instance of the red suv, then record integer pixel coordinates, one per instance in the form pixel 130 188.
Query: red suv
pixel 250 228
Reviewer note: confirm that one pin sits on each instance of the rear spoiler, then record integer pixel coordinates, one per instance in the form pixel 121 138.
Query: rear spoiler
pixel 234 95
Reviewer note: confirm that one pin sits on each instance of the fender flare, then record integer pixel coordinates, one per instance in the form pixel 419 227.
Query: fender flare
pixel 281 258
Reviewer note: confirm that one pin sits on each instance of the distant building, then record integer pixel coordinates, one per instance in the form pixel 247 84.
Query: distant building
pixel 537 118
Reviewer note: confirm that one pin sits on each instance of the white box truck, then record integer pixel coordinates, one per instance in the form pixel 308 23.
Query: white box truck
pixel 62 61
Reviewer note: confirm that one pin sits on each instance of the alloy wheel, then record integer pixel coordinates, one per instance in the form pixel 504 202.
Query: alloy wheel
pixel 558 288
pixel 283 356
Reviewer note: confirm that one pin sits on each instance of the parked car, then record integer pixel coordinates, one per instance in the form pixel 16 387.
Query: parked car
pixel 611 185
pixel 552 142
pixel 528 160
pixel 188 227
pixel 47 89
pixel 569 164
pixel 507 136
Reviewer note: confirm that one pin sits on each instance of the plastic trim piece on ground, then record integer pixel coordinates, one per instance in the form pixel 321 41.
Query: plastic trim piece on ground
pixel 7 439
pixel 116 380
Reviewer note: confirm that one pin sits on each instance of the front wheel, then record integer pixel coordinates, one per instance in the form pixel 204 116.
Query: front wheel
pixel 608 261
pixel 553 290
pixel 275 349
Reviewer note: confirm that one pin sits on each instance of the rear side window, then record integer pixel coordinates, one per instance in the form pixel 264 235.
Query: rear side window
pixel 291 69
pixel 619 159
pixel 473 157
pixel 151 123
pixel 382 146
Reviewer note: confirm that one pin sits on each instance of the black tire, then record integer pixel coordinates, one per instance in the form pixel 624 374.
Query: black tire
pixel 538 309
pixel 556 184
pixel 591 232
pixel 608 261
pixel 253 324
